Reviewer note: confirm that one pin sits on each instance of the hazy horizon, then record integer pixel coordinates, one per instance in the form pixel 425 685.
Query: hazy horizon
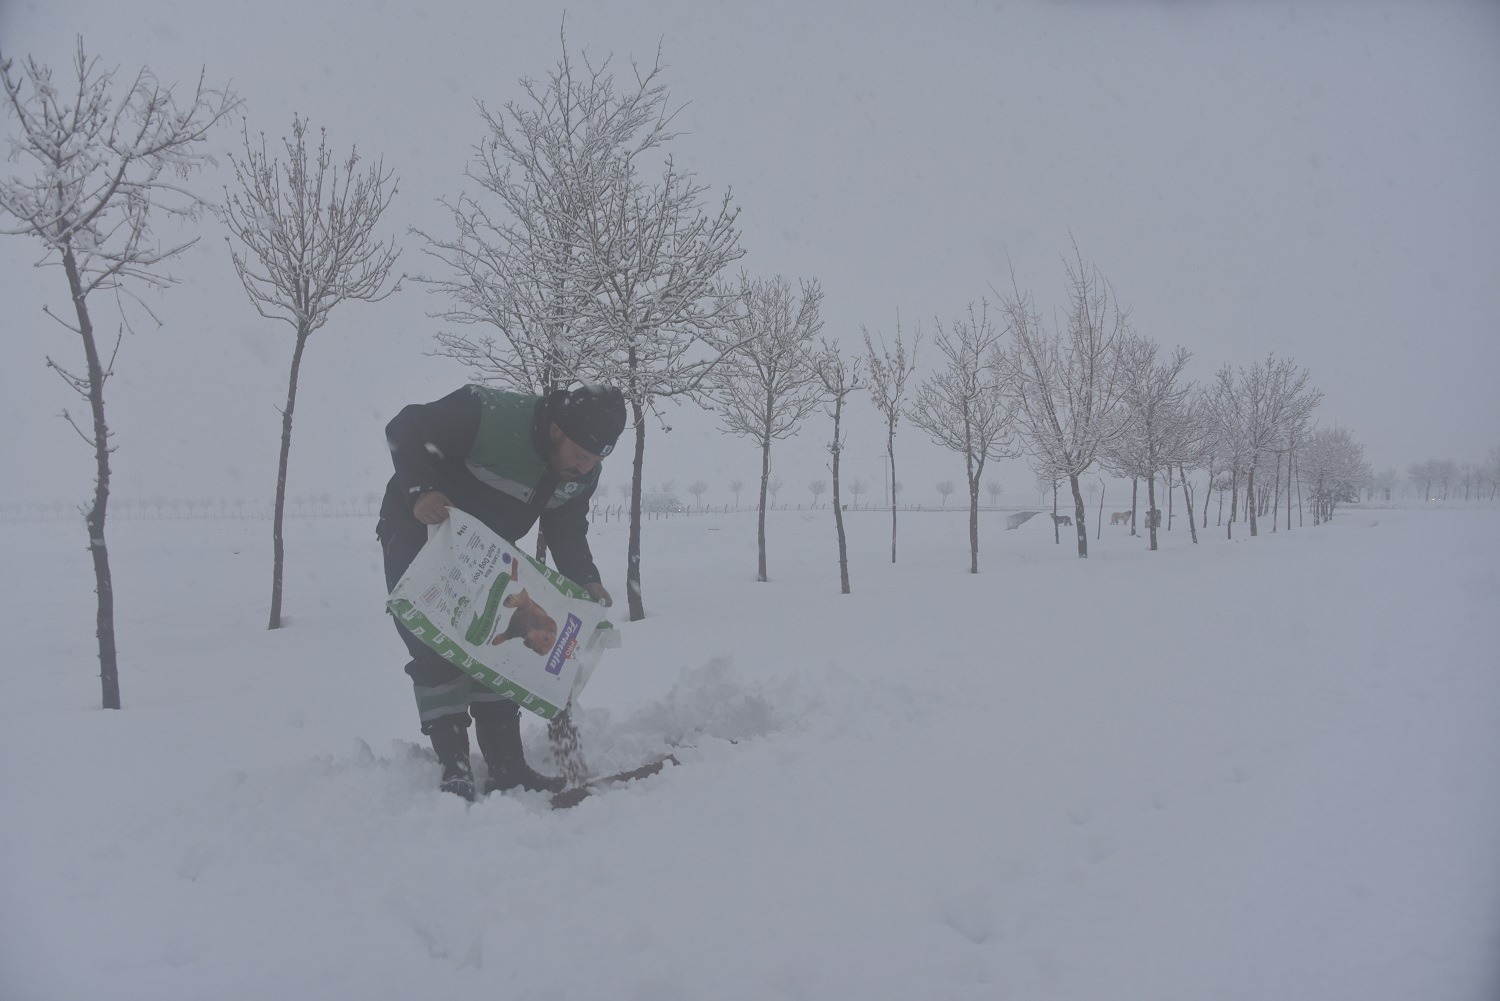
pixel 1314 180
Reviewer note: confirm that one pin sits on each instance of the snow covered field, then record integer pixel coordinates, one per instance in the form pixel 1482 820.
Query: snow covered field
pixel 1263 769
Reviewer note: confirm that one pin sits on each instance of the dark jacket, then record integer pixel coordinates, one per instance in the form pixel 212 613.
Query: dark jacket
pixel 486 449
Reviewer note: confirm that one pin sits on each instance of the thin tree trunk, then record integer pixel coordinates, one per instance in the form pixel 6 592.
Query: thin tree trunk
pixel 1080 518
pixel 974 475
pixel 1187 499
pixel 1250 496
pixel 1208 491
pixel 838 510
pixel 1291 450
pixel 104 589
pixel 549 383
pixel 277 547
pixel 760 528
pixel 1234 501
pixel 890 449
pixel 1151 518
pixel 1276 498
pixel 1099 531
pixel 1135 486
pixel 1056 529
pixel 633 547
pixel 1298 474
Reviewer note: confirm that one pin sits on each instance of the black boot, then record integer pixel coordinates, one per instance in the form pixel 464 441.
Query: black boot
pixel 450 739
pixel 497 727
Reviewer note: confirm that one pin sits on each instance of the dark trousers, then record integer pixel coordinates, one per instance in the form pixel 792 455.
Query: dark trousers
pixel 444 694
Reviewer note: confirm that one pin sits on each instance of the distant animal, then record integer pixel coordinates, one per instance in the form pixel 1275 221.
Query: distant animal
pixel 528 623
pixel 1120 518
pixel 1062 519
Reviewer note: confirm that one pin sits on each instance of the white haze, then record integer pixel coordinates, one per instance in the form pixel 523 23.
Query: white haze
pixel 1310 179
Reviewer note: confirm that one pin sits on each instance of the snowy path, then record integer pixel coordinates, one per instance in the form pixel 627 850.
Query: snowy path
pixel 1259 770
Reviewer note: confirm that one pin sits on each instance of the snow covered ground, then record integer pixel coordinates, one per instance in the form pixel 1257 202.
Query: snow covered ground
pixel 1263 769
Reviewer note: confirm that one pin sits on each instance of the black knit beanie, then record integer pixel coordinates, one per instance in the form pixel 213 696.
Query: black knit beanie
pixel 593 416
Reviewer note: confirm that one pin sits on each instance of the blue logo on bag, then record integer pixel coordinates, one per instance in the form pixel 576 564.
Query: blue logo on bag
pixel 564 646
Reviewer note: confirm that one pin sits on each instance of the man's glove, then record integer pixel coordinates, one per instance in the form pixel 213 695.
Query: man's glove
pixel 597 592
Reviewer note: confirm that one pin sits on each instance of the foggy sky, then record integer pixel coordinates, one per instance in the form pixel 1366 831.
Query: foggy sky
pixel 1317 180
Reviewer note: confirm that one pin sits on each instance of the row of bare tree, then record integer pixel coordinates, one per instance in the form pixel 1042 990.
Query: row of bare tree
pixel 582 249
pixel 1445 479
pixel 579 251
pixel 1085 394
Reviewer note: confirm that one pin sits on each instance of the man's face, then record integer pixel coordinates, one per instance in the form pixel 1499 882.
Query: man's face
pixel 569 460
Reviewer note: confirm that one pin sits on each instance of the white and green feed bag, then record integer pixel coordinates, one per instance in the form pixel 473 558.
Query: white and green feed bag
pixel 501 617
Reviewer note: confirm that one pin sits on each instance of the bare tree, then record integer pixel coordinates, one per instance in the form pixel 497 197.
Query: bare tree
pixel 839 378
pixel 735 486
pixel 816 487
pixel 858 486
pixel 651 257
pixel 698 488
pixel 308 233
pixel 102 162
pixel 600 263
pixel 1043 480
pixel 1333 463
pixel 1046 483
pixel 1067 384
pixel 1200 406
pixel 1156 433
pixel 1383 482
pixel 944 489
pixel 774 487
pixel 1259 409
pixel 1421 475
pixel 993 488
pixel 889 370
pixel 511 262
pixel 1227 411
pixel 1446 471
pixel 1293 401
pixel 769 385
pixel 964 407
pixel 1196 450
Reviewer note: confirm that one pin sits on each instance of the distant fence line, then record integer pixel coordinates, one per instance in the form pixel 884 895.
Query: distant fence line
pixel 126 509
pixel 604 512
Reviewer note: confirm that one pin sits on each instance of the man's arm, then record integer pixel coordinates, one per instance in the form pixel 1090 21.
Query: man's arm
pixel 430 441
pixel 566 529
